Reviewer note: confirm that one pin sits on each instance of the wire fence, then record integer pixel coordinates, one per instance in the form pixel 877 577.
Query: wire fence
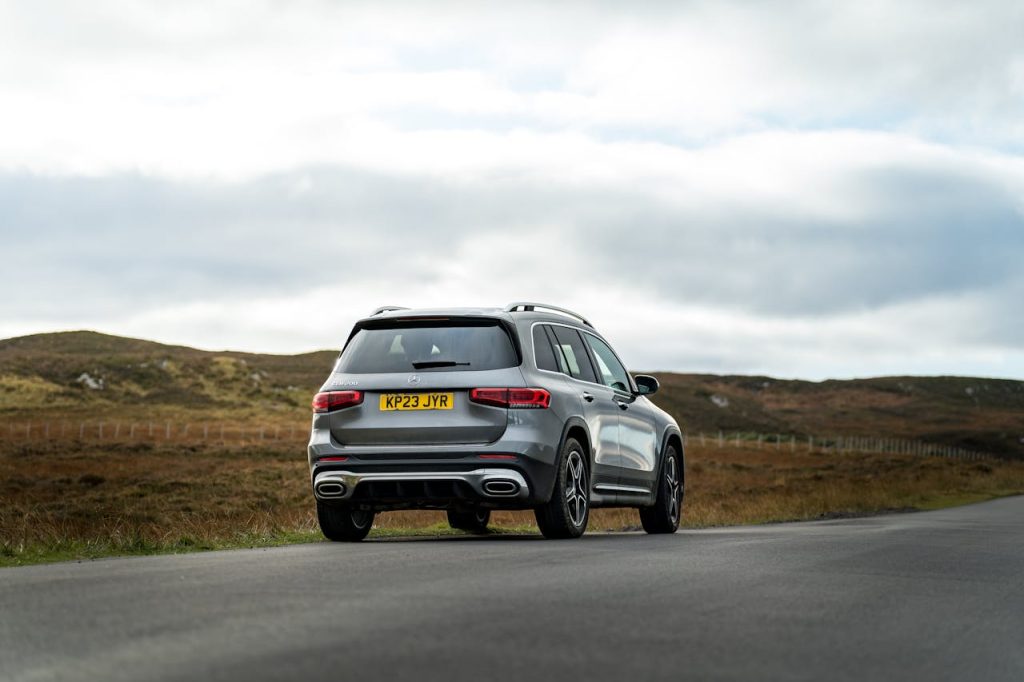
pixel 162 431
pixel 186 432
pixel 837 443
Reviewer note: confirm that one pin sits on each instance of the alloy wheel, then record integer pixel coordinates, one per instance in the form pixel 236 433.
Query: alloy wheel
pixel 361 518
pixel 576 497
pixel 672 480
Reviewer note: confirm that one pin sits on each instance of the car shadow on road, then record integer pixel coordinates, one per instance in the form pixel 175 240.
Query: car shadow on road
pixel 492 537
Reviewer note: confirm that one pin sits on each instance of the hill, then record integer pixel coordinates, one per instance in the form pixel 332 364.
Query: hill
pixel 87 373
pixel 82 372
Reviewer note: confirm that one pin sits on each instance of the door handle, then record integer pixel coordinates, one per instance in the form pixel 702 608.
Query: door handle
pixel 622 405
pixel 588 397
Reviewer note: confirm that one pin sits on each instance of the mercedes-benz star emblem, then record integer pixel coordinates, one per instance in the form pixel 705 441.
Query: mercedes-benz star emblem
pixel 414 379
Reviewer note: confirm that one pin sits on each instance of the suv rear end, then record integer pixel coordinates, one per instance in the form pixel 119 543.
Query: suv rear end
pixel 432 410
pixel 469 410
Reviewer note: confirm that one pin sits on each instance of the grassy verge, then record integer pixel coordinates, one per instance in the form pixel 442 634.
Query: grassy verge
pixel 87 501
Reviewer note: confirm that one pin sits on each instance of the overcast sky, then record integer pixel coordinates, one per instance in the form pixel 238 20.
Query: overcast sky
pixel 803 189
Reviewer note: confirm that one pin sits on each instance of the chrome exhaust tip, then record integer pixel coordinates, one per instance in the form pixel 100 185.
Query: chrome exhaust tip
pixel 330 489
pixel 501 486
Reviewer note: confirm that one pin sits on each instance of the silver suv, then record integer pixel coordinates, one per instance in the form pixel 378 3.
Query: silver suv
pixel 474 409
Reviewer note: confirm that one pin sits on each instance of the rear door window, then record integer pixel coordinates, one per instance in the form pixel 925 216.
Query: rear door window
pixel 572 354
pixel 428 348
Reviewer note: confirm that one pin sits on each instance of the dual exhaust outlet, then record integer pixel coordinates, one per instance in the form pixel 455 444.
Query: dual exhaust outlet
pixel 500 487
pixel 496 487
pixel 330 489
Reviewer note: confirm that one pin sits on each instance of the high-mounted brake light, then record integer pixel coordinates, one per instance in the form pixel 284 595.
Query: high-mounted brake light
pixel 515 398
pixel 329 401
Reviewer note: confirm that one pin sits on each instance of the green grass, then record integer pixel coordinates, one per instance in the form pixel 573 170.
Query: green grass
pixel 933 502
pixel 84 550
pixel 79 550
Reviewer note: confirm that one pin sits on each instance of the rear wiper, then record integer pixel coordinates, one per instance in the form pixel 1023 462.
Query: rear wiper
pixel 427 364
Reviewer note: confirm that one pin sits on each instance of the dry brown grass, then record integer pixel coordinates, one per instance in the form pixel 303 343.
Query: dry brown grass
pixel 84 500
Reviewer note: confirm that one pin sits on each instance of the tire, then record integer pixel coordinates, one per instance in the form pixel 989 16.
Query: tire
pixel 340 523
pixel 566 514
pixel 472 521
pixel 664 515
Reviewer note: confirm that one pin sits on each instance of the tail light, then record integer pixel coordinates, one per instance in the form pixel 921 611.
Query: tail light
pixel 329 401
pixel 516 398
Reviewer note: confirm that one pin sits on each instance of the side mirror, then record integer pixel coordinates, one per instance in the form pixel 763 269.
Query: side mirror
pixel 646 385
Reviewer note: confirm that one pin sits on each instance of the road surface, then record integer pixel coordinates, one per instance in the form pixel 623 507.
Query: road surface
pixel 937 596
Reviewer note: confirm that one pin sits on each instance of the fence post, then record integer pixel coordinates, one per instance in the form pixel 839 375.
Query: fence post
pixel 167 432
pixel 131 432
pixel 719 439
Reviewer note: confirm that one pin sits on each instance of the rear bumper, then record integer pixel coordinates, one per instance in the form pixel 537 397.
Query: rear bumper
pixel 441 476
pixel 397 489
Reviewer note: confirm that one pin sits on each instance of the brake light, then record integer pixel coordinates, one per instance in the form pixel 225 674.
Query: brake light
pixel 515 398
pixel 329 401
pixel 338 458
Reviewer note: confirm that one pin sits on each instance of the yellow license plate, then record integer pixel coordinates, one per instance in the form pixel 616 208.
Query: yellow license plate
pixel 417 401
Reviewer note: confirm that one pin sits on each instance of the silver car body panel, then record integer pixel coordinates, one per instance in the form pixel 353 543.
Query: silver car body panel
pixel 625 433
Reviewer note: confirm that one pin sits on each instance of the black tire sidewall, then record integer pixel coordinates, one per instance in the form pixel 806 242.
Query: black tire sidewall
pixel 469 521
pixel 554 518
pixel 338 523
pixel 658 518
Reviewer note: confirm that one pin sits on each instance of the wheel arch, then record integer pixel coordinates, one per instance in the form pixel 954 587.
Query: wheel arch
pixel 673 437
pixel 574 427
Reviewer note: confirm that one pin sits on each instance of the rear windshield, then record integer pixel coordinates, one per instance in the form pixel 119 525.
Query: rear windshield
pixel 428 348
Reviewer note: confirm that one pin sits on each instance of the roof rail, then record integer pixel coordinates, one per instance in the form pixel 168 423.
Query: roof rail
pixel 386 308
pixel 527 305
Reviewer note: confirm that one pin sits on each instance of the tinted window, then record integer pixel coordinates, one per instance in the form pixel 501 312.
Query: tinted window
pixel 572 355
pixel 421 348
pixel 542 350
pixel 608 366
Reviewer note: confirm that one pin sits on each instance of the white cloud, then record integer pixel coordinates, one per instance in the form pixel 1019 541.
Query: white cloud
pixel 797 188
pixel 239 90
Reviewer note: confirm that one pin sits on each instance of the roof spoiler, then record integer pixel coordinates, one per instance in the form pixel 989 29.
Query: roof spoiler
pixel 386 308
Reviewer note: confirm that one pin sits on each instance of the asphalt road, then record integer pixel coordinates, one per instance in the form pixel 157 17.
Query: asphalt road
pixel 937 595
